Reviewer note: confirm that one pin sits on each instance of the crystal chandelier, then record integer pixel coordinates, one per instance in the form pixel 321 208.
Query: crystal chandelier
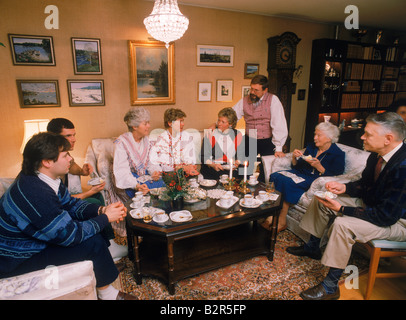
pixel 166 23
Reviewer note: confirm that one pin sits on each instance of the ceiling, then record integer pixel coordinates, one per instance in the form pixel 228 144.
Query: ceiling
pixel 385 14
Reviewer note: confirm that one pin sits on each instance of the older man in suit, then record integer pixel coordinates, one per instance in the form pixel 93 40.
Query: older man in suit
pixel 373 207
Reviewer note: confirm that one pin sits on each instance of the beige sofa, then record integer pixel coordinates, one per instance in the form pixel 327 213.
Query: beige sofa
pixel 355 161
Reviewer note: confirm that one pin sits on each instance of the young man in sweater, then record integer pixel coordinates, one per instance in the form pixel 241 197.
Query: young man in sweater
pixel 373 207
pixel 41 224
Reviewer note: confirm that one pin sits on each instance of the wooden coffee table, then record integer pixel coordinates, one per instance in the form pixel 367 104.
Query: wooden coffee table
pixel 215 237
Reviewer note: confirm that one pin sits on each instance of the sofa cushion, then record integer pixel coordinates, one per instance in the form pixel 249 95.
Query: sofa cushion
pixel 74 281
pixel 5 183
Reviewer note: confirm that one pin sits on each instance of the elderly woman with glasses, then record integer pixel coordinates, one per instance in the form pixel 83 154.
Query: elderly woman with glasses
pixel 132 168
pixel 321 158
pixel 221 145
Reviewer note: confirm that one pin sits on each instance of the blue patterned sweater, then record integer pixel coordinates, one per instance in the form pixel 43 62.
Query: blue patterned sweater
pixel 33 216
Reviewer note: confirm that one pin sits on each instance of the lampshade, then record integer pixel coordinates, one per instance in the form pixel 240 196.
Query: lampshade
pixel 32 127
pixel 166 23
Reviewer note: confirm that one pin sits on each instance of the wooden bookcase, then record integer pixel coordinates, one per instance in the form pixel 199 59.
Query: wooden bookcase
pixel 349 80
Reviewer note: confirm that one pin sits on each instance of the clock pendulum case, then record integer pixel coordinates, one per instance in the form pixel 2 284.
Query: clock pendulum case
pixel 281 66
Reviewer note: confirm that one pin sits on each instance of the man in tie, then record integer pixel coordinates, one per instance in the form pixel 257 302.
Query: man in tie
pixel 374 207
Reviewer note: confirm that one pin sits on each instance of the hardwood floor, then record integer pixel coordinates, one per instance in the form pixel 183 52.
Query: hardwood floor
pixel 384 289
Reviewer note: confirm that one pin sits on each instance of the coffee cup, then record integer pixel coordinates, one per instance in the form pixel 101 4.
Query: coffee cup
pixel 262 195
pixel 193 183
pixel 223 178
pixel 225 200
pixel 138 202
pixel 139 194
pixel 253 179
pixel 159 216
pixel 248 199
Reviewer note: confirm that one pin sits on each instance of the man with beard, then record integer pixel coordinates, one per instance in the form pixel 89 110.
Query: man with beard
pixel 265 122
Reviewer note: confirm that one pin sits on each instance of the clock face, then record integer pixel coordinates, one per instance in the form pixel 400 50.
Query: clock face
pixel 286 52
pixel 286 55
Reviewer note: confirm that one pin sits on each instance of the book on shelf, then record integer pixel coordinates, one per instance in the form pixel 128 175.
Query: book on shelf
pixel 385 99
pixel 350 101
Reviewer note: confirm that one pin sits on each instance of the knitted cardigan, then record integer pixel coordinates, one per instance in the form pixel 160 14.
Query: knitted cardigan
pixel 32 216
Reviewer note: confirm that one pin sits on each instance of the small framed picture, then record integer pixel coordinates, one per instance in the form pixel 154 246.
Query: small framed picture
pixel 204 91
pixel 38 93
pixel 86 56
pixel 86 93
pixel 32 50
pixel 215 56
pixel 301 94
pixel 251 70
pixel 245 91
pixel 225 90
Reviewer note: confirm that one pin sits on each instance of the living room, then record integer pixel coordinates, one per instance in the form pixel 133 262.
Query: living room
pixel 114 23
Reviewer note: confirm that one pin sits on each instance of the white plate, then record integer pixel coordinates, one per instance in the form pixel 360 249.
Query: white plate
pixel 323 194
pixel 253 183
pixel 137 214
pixel 234 200
pixel 180 216
pixel 95 181
pixel 156 191
pixel 164 220
pixel 208 183
pixel 255 203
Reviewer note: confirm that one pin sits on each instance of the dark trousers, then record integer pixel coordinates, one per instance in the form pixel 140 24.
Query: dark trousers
pixel 265 147
pixel 94 249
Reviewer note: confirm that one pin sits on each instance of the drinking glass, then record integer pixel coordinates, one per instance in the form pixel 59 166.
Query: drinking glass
pixel 270 187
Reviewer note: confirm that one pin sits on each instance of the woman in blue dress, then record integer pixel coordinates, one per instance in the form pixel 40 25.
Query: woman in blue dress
pixel 321 158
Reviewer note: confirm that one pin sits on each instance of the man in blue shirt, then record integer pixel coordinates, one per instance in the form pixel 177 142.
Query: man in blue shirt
pixel 41 224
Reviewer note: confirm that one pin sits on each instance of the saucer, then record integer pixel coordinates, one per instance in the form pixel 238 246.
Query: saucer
pixel 164 220
pixel 234 200
pixel 255 203
pixel 95 181
pixel 181 216
pixel 208 183
pixel 137 213
pixel 253 183
pixel 324 194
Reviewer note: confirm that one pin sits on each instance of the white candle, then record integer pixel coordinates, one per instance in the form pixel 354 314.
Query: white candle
pixel 231 169
pixel 245 171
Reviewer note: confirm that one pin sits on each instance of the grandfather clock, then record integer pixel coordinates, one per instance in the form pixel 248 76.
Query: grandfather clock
pixel 281 65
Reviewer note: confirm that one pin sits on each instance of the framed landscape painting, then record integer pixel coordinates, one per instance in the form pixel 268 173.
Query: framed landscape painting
pixel 86 56
pixel 86 93
pixel 32 50
pixel 215 56
pixel 152 69
pixel 251 70
pixel 38 93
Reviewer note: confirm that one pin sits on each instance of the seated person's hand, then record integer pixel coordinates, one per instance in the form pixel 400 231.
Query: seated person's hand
pixel 216 166
pixel 86 169
pixel 116 212
pixel 98 188
pixel 156 175
pixel 142 187
pixel 191 170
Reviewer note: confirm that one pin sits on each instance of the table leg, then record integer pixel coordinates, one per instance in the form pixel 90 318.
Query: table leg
pixel 274 233
pixel 171 268
pixel 137 266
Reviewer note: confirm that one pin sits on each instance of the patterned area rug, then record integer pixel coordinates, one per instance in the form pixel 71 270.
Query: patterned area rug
pixel 253 279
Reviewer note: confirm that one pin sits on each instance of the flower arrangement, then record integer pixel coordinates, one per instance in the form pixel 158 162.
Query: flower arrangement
pixel 176 183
